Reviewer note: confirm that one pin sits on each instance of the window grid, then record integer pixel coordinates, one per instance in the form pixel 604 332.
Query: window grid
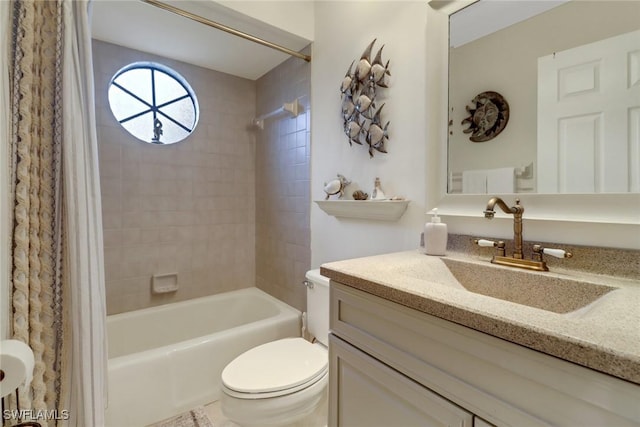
pixel 153 107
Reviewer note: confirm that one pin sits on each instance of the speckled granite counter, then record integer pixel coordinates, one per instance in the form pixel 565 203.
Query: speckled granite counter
pixel 604 335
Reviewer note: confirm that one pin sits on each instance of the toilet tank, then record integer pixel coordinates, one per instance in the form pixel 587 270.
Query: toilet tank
pixel 318 306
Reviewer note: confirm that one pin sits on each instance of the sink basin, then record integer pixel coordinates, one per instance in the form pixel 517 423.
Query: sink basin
pixel 539 290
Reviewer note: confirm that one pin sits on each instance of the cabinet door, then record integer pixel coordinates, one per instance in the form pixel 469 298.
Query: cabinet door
pixel 479 422
pixel 365 392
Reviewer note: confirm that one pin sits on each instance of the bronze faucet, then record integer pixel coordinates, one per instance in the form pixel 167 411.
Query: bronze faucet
pixel 516 211
pixel 517 260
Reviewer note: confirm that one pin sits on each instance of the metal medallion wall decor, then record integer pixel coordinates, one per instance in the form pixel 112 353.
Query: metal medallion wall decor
pixel 362 120
pixel 488 116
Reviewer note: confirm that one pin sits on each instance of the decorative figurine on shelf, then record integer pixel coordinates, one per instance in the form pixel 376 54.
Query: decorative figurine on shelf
pixel 361 117
pixel 360 195
pixel 377 194
pixel 336 186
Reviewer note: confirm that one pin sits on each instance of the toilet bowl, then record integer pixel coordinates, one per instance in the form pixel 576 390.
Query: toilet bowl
pixel 278 383
pixel 283 382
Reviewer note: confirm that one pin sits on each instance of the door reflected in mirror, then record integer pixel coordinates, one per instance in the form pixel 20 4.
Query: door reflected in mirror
pixel 570 73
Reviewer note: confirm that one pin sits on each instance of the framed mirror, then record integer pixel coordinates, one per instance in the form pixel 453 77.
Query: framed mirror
pixel 578 217
pixel 570 71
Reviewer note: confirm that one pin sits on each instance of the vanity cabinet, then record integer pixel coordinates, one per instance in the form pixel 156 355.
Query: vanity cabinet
pixel 373 394
pixel 394 365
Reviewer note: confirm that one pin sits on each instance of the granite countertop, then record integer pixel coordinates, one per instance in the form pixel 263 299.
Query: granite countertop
pixel 604 335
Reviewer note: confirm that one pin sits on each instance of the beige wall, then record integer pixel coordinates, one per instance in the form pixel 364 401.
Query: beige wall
pixel 185 208
pixel 283 252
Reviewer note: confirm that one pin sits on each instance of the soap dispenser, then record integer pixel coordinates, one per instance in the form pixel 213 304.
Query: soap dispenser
pixel 435 235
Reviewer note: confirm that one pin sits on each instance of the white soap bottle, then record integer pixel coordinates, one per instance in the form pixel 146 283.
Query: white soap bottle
pixel 435 235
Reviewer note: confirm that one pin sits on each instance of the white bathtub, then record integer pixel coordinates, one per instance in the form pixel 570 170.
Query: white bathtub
pixel 168 359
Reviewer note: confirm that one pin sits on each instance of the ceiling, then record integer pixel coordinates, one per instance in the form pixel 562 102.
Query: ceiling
pixel 137 25
pixel 486 17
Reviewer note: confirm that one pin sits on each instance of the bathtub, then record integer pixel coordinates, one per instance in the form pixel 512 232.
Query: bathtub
pixel 168 359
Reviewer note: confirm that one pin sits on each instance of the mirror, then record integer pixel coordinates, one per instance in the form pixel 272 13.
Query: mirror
pixel 570 73
pixel 594 219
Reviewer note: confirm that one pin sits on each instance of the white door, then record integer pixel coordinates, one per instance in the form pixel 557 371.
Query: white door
pixel 589 118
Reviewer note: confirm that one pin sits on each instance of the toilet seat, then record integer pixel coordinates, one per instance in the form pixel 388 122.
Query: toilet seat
pixel 275 369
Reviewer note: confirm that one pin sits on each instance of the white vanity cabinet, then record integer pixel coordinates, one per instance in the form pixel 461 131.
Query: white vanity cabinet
pixel 372 394
pixel 391 365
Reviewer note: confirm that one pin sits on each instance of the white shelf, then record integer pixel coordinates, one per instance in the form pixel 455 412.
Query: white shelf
pixel 385 210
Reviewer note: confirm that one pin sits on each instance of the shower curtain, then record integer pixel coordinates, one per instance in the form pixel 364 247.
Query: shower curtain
pixel 84 258
pixel 58 277
pixel 5 119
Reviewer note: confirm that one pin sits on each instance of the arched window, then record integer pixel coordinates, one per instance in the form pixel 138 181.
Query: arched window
pixel 153 103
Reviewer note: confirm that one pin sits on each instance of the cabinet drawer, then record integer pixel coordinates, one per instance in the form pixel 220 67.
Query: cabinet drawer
pixel 367 393
pixel 502 382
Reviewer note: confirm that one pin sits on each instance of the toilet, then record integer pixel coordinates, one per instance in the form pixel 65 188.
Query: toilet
pixel 283 382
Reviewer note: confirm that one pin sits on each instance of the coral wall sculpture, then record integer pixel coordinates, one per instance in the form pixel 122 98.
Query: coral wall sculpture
pixel 362 121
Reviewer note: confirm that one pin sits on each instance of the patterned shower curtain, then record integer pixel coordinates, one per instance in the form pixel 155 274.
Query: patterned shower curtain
pixel 57 281
pixel 36 146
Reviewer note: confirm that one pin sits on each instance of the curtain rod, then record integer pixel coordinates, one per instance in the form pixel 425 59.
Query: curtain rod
pixel 224 28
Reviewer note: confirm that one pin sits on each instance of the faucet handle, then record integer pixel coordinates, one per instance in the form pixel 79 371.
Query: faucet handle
pixel 491 244
pixel 558 253
pixel 485 243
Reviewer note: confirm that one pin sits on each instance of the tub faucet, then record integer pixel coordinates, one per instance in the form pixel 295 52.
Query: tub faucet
pixel 516 211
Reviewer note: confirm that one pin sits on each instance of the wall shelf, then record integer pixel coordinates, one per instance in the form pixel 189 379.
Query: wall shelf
pixel 385 210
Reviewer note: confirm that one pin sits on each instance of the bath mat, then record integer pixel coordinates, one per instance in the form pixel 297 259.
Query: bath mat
pixel 194 418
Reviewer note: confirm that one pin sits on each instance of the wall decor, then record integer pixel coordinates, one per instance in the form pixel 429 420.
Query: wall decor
pixel 377 193
pixel 488 116
pixel 336 186
pixel 360 195
pixel 362 120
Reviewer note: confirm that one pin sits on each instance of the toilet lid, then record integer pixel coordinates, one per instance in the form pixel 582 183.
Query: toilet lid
pixel 276 366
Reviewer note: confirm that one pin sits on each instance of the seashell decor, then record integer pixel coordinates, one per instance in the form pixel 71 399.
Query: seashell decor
pixel 336 186
pixel 360 195
pixel 362 120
